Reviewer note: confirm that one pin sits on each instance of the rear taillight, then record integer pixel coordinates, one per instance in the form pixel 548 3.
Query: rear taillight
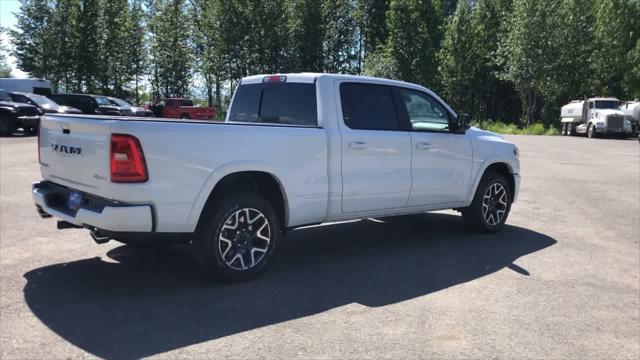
pixel 127 160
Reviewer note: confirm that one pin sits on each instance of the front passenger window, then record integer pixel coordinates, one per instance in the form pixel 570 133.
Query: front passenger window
pixel 424 112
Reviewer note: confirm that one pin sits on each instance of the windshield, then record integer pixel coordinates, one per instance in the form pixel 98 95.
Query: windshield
pixel 4 96
pixel 101 100
pixel 606 104
pixel 43 101
pixel 119 102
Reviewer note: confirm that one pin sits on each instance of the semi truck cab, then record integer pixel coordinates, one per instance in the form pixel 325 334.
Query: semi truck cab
pixel 594 117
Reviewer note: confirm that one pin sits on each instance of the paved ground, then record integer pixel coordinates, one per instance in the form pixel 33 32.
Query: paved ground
pixel 562 281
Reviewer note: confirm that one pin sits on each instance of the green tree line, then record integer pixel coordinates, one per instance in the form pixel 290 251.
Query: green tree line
pixel 513 60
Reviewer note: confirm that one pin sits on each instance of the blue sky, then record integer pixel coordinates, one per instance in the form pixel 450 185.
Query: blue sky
pixel 8 20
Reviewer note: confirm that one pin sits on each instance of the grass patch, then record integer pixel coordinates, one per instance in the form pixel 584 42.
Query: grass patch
pixel 499 127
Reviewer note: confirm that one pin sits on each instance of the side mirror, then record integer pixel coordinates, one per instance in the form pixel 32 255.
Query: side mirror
pixel 462 121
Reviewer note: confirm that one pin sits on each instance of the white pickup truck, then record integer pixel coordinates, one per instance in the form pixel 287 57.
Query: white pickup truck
pixel 294 150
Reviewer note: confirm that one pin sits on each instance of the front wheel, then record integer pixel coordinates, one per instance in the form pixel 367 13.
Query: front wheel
pixel 236 237
pixel 491 204
pixel 591 131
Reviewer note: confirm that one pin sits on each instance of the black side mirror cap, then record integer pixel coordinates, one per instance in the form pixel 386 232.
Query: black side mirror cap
pixel 462 121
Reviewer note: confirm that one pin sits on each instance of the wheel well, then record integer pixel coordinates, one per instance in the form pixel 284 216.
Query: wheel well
pixel 259 182
pixel 504 170
pixel 185 115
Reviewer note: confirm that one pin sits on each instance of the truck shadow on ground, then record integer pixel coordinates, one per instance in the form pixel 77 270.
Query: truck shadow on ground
pixel 146 304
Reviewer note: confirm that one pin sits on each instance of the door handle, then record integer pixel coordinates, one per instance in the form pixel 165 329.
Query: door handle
pixel 423 146
pixel 357 145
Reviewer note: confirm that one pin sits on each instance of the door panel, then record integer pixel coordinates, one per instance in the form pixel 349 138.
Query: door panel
pixel 376 170
pixel 441 168
pixel 442 159
pixel 376 153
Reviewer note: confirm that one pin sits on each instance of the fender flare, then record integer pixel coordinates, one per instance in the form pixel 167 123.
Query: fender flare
pixel 480 173
pixel 228 169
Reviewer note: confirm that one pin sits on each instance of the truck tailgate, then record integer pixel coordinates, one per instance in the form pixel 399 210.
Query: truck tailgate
pixel 74 151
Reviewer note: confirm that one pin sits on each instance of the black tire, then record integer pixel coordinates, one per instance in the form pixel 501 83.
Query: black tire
pixel 474 215
pixel 217 258
pixel 591 131
pixel 7 125
pixel 569 129
pixel 563 129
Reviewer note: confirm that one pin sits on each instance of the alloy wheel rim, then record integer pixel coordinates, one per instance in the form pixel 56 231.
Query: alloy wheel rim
pixel 494 204
pixel 244 239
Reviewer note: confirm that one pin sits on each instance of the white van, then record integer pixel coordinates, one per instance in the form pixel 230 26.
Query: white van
pixel 36 86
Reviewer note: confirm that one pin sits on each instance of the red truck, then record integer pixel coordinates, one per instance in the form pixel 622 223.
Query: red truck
pixel 180 108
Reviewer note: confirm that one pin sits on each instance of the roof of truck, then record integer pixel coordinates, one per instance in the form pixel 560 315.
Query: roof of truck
pixel 595 99
pixel 307 77
pixel 311 78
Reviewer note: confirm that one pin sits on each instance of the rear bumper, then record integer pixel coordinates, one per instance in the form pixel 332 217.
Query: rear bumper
pixel 94 212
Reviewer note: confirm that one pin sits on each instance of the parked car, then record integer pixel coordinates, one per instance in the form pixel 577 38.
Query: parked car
pixel 44 103
pixel 88 104
pixel 127 109
pixel 295 149
pixel 14 115
pixel 179 108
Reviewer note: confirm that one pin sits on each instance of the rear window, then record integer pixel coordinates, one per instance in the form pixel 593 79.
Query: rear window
pixel 288 103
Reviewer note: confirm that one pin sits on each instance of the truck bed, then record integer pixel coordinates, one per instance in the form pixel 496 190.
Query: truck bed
pixel 184 159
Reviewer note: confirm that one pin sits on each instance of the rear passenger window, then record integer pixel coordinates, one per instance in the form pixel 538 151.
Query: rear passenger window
pixel 368 107
pixel 289 103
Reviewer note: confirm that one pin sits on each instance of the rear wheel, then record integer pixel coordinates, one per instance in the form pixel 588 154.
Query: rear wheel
pixel 236 237
pixel 7 125
pixel 491 204
pixel 569 129
pixel 563 129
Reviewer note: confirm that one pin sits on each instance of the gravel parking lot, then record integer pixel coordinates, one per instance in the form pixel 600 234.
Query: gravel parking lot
pixel 561 281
